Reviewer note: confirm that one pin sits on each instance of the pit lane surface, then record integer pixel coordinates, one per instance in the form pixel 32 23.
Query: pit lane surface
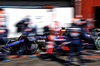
pixel 25 60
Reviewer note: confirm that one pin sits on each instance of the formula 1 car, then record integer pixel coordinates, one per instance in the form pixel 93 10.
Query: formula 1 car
pixel 39 42
pixel 14 44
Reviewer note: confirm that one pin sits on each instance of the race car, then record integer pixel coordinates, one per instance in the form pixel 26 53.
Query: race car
pixel 14 44
pixel 40 42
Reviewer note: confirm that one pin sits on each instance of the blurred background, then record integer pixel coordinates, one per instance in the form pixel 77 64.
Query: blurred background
pixel 47 11
pixel 39 12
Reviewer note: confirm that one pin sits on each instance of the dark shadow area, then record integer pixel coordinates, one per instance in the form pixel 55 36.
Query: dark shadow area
pixel 61 3
pixel 63 62
pixel 97 17
pixel 89 61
